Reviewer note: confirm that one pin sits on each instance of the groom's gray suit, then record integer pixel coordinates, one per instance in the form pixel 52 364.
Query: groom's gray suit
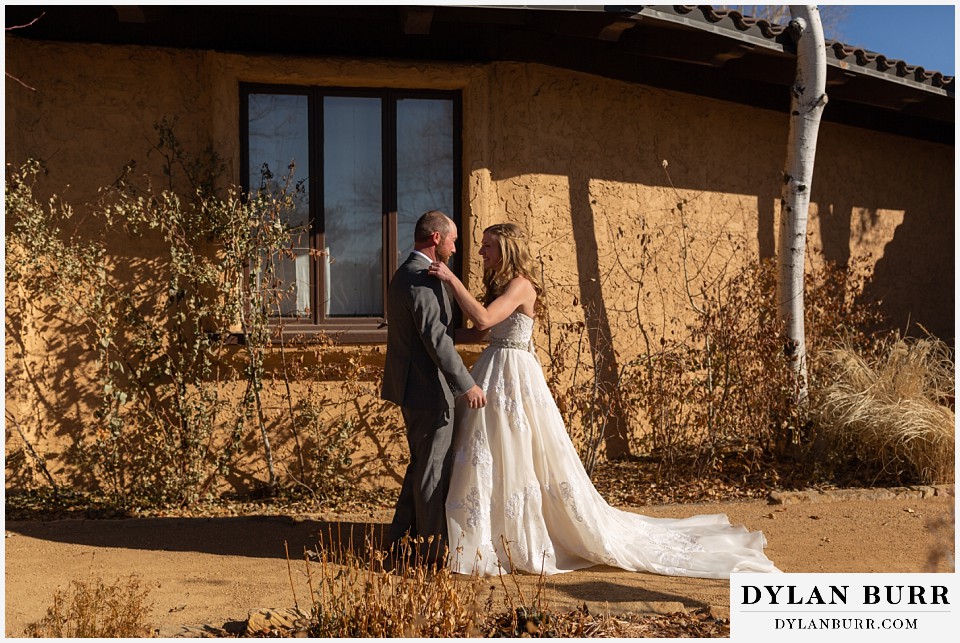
pixel 423 374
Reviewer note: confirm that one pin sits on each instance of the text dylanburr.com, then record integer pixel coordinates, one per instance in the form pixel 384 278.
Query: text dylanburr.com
pixel 847 607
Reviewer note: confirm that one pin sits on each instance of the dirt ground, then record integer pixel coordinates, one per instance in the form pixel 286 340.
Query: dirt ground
pixel 213 570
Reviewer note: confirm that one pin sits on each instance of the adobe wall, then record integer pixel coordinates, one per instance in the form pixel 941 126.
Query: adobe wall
pixel 626 190
pixel 580 160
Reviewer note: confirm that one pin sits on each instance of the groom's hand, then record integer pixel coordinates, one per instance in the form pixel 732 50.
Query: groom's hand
pixel 475 397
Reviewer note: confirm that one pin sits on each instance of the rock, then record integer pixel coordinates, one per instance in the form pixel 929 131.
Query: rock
pixel 944 490
pixel 839 495
pixel 263 621
pixel 793 497
pixel 871 494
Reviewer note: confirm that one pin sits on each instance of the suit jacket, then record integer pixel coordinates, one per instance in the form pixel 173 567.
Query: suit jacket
pixel 423 369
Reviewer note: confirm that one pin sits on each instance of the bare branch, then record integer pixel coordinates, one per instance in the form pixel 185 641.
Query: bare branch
pixel 12 77
pixel 31 23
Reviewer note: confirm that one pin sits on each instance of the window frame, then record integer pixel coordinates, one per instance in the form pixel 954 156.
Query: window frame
pixel 351 330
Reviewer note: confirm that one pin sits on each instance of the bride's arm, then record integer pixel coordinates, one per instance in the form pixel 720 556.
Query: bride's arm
pixel 517 292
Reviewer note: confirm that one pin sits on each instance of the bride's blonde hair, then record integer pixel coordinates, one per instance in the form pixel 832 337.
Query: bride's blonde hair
pixel 515 262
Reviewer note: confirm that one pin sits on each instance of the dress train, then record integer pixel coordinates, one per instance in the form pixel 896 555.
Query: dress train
pixel 520 498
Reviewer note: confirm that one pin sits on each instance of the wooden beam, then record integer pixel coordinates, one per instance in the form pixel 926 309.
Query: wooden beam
pixel 613 31
pixel 909 101
pixel 416 21
pixel 842 78
pixel 130 13
pixel 737 51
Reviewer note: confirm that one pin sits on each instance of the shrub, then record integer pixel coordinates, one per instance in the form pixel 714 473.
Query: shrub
pixel 362 594
pixel 91 609
pixel 169 403
pixel 715 396
pixel 161 429
pixel 711 385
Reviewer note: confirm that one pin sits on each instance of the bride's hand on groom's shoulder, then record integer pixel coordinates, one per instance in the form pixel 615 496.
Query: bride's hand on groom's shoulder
pixel 441 271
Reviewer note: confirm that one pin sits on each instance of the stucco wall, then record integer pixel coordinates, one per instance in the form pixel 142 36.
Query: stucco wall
pixel 625 189
pixel 580 161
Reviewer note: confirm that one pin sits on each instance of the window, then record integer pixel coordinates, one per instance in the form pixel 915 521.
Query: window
pixel 367 164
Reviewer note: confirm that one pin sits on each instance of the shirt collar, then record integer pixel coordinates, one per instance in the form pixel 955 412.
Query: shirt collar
pixel 417 252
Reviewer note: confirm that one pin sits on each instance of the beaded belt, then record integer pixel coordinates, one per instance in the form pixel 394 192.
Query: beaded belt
pixel 503 342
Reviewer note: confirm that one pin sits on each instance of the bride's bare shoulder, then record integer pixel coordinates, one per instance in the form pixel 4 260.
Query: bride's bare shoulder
pixel 525 293
pixel 521 282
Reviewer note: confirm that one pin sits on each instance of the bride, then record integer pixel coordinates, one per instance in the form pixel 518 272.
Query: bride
pixel 519 496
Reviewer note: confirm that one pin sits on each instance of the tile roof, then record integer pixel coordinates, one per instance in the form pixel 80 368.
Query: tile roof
pixel 695 49
pixel 837 51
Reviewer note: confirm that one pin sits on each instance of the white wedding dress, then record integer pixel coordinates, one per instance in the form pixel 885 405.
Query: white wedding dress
pixel 517 478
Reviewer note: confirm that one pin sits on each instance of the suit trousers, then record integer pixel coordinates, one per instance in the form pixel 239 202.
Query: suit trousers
pixel 420 508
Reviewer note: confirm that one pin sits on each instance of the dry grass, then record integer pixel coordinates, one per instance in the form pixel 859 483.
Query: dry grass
pixel 892 412
pixel 91 609
pixel 361 591
pixel 364 592
pixel 368 592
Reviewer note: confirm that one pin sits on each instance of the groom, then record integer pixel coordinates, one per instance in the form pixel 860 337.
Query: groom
pixel 424 374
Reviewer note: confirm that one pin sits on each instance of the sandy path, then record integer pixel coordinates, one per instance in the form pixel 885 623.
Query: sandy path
pixel 211 570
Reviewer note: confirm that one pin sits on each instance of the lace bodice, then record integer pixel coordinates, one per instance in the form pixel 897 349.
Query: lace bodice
pixel 516 329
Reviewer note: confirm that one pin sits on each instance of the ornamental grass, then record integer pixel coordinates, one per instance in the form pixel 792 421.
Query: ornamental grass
pixel 893 413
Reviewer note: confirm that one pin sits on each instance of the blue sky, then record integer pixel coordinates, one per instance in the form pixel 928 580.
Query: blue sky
pixel 921 35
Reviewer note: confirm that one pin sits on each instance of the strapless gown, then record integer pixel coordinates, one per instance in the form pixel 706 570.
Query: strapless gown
pixel 521 500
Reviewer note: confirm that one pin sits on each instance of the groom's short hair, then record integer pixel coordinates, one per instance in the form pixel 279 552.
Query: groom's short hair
pixel 430 222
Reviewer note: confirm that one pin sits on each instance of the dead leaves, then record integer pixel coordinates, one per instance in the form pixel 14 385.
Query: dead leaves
pixel 637 483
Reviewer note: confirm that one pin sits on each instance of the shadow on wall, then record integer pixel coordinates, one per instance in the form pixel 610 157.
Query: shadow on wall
pixel 51 392
pixel 856 182
pixel 559 127
pixel 595 309
pixel 914 278
pixel 835 223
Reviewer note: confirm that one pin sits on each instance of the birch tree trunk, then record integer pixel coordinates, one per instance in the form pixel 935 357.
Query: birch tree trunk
pixel 808 97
